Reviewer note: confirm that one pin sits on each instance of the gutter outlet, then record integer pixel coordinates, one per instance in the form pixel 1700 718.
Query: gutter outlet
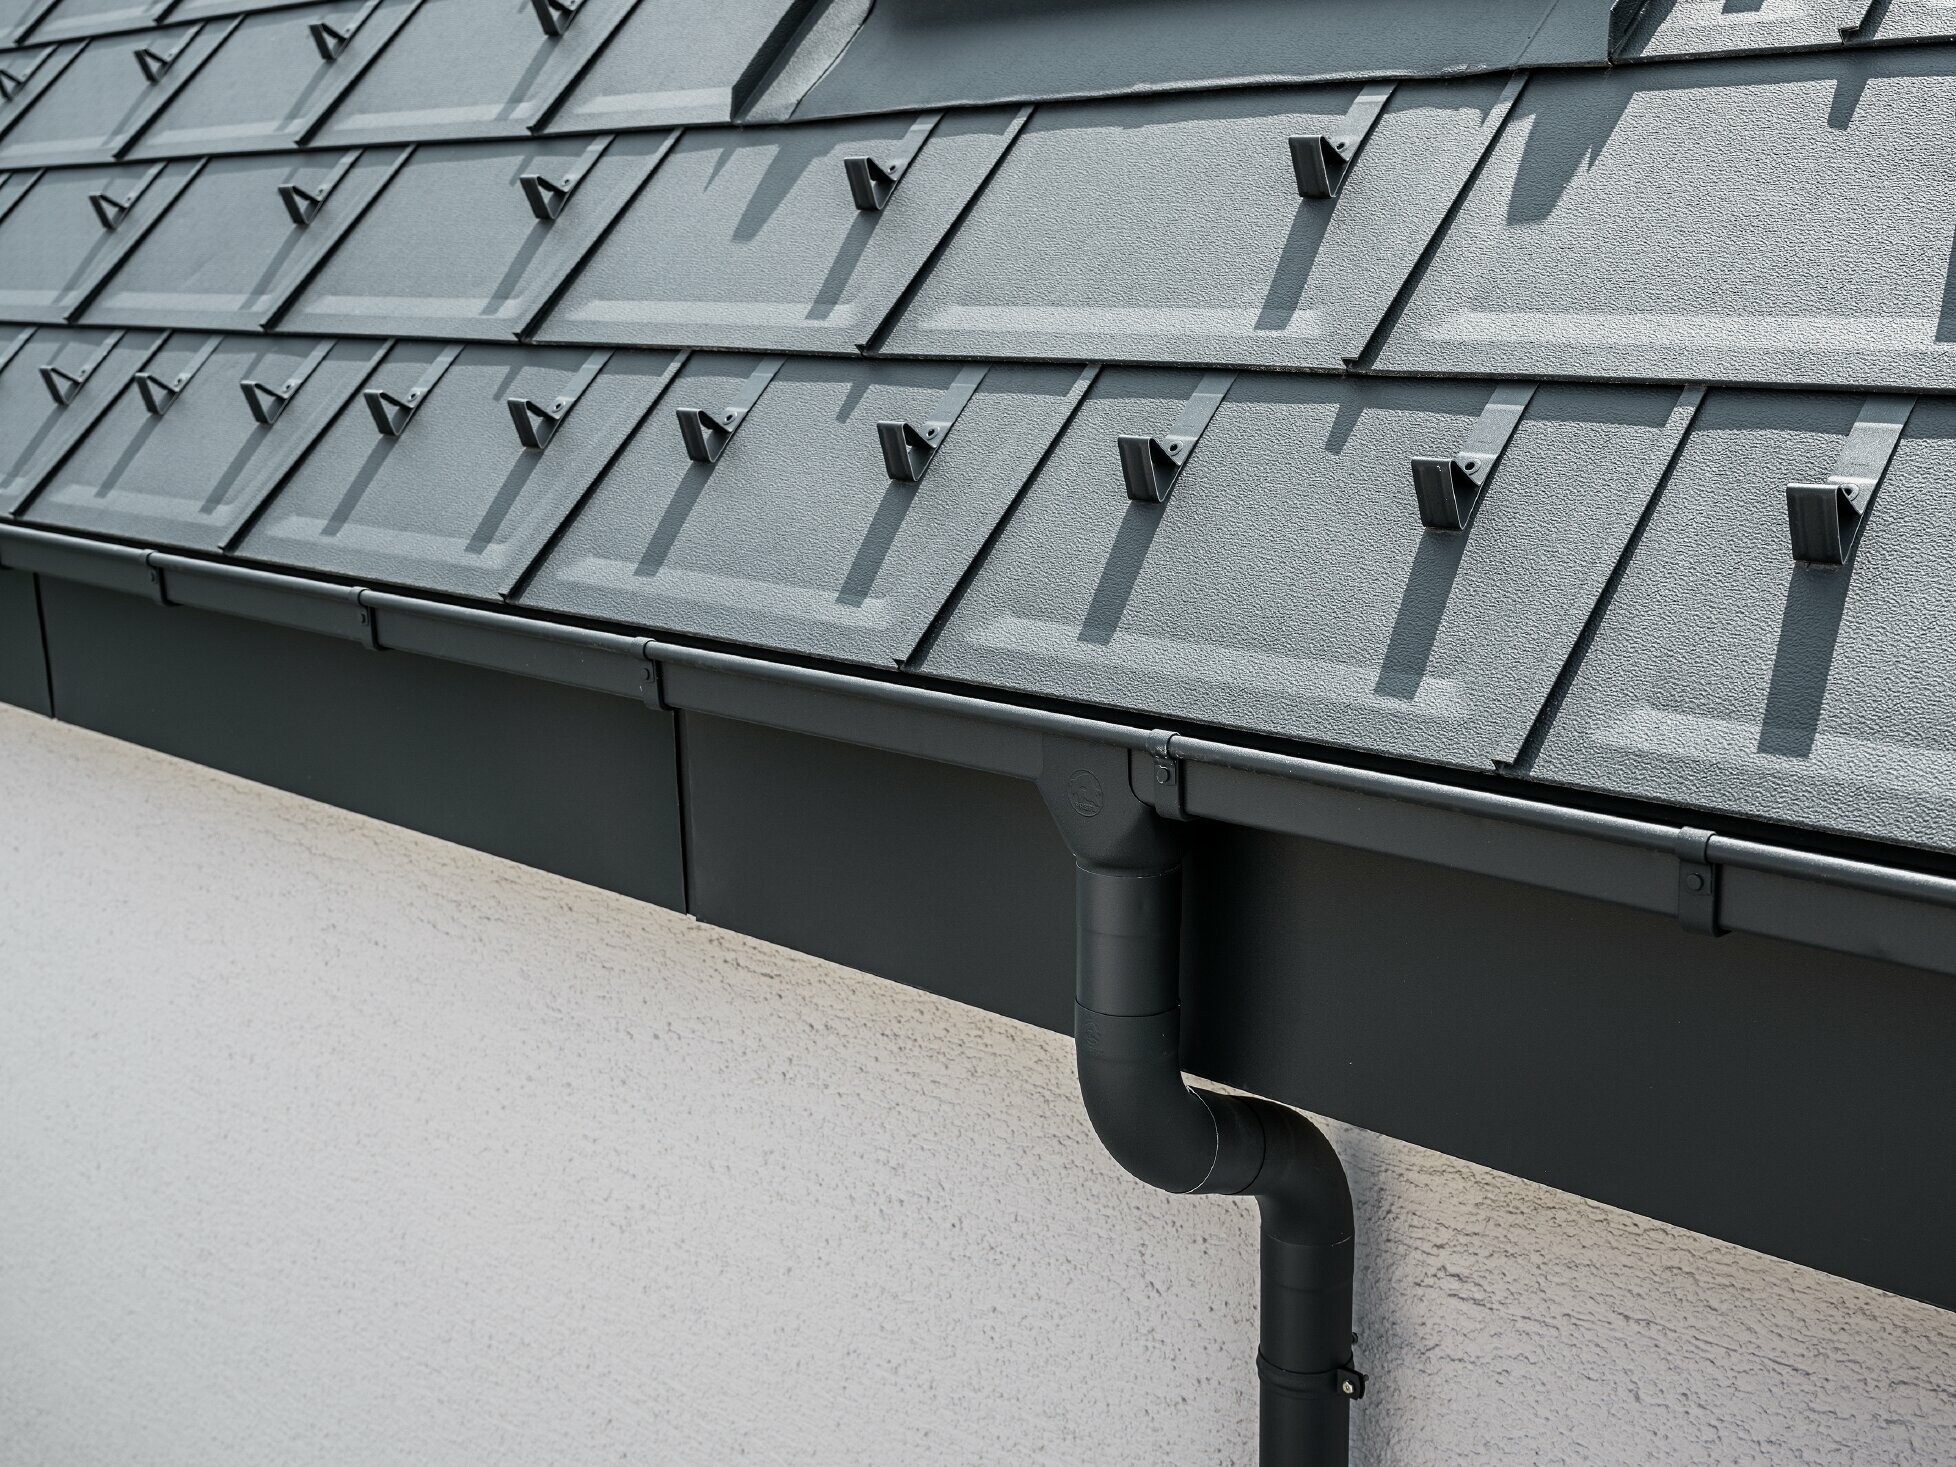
pixel 1127 1037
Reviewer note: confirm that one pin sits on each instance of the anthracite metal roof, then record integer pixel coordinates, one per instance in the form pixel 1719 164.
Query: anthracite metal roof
pixel 1380 220
pixel 1515 438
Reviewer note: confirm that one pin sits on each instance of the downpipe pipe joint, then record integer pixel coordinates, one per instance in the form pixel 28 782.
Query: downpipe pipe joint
pixel 1127 1037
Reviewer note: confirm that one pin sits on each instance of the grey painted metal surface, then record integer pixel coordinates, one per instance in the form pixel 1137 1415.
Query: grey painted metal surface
pixel 1783 220
pixel 102 103
pixel 63 231
pixel 190 475
pixel 33 71
pixel 1287 584
pixel 230 254
pixel 570 781
pixel 55 384
pixel 753 240
pixel 70 18
pixel 680 61
pixel 471 68
pixel 407 269
pixel 454 501
pixel 23 663
pixel 1724 676
pixel 1171 228
pixel 1672 28
pixel 797 537
pixel 18 17
pixel 934 53
pixel 270 84
pixel 1632 651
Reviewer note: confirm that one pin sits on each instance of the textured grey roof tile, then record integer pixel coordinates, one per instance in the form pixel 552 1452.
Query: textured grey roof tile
pixel 1778 220
pixel 934 53
pixel 454 502
pixel 453 248
pixel 1724 677
pixel 32 72
pixel 215 9
pixel 269 85
pixel 189 476
pixel 680 61
pixel 1675 28
pixel 1287 585
pixel 101 103
pixel 797 538
pixel 749 238
pixel 75 18
pixel 1170 228
pixel 36 430
pixel 20 18
pixel 55 249
pixel 470 68
pixel 228 253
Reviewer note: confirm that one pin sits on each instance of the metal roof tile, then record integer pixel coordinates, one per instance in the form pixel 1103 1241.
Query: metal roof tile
pixel 454 245
pixel 797 537
pixel 54 384
pixel 64 231
pixel 471 68
pixel 101 103
pixel 1287 584
pixel 271 84
pixel 936 53
pixel 1171 228
pixel 453 500
pixel 231 252
pixel 1781 220
pixel 1677 28
pixel 1723 676
pixel 68 19
pixel 189 476
pixel 751 239
pixel 679 61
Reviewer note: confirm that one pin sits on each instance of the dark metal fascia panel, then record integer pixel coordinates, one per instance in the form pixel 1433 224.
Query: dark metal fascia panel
pixel 1558 848
pixel 559 779
pixel 23 655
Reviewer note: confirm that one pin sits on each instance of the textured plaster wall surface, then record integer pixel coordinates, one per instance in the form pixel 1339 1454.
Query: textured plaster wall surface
pixel 327 1143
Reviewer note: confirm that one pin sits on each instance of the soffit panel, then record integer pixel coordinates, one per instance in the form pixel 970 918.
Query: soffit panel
pixel 454 502
pixel 750 238
pixel 188 477
pixel 797 538
pixel 1287 585
pixel 1778 220
pixel 1170 228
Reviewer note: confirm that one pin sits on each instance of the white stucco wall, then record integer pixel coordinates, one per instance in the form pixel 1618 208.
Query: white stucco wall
pixel 324 1143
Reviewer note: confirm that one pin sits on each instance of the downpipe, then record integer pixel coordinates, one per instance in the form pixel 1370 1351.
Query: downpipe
pixel 1127 1038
